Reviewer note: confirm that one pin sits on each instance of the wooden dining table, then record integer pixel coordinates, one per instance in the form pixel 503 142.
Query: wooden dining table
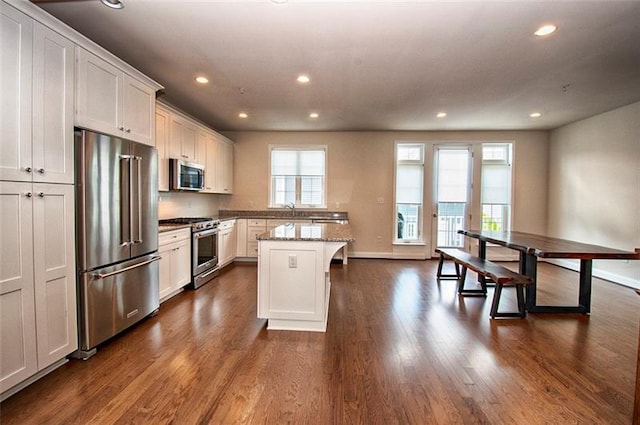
pixel 531 247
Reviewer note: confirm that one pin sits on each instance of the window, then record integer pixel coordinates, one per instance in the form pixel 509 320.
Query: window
pixel 409 190
pixel 298 177
pixel 496 186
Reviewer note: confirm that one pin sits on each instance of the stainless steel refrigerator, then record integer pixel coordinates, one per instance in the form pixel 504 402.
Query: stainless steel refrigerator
pixel 117 230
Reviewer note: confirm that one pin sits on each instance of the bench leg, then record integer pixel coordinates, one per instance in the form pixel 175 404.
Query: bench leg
pixel 439 275
pixel 471 292
pixel 496 300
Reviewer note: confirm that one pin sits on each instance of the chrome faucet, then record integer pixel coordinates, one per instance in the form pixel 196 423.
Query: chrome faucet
pixel 292 206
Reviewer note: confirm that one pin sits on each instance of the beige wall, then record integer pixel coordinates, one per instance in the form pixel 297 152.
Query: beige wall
pixel 360 171
pixel 594 186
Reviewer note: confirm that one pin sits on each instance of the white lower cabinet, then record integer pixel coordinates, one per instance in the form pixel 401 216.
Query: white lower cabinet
pixel 241 237
pixel 38 319
pixel 175 265
pixel 227 242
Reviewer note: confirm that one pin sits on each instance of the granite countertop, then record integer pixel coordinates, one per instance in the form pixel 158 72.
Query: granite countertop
pixel 324 232
pixel 284 214
pixel 169 227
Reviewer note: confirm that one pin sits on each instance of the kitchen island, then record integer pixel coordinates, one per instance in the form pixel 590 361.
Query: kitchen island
pixel 293 274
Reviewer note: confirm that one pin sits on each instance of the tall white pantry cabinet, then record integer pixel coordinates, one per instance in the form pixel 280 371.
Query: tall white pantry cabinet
pixel 38 324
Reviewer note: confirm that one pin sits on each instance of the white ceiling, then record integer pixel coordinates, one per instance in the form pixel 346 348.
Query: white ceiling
pixel 376 65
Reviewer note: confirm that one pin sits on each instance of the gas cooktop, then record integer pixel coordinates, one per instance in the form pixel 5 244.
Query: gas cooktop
pixel 197 223
pixel 185 220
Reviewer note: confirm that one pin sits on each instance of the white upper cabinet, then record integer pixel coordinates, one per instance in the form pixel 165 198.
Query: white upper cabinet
pixel 53 72
pixel 183 138
pixel 16 33
pixel 162 145
pixel 224 166
pixel 110 101
pixel 210 178
pixel 37 101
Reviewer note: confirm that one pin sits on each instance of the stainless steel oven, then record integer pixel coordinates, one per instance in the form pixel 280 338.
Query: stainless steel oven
pixel 204 254
pixel 204 248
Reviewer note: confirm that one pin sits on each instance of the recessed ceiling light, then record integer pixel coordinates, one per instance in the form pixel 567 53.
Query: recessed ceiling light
pixel 441 114
pixel 545 30
pixel 304 79
pixel 202 79
pixel 114 4
pixel 243 115
pixel 313 115
pixel 535 115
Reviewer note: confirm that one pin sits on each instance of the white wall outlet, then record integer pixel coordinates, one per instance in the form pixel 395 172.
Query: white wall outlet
pixel 381 200
pixel 379 239
pixel 337 205
pixel 293 261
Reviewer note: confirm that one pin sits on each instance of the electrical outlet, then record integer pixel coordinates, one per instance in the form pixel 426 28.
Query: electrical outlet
pixel 381 200
pixel 379 239
pixel 293 261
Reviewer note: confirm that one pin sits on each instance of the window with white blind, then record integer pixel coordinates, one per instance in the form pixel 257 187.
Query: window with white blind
pixel 409 190
pixel 495 192
pixel 297 176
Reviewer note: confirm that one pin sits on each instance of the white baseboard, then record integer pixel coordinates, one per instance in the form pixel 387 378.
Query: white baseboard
pixel 386 255
pixel 371 254
pixel 599 273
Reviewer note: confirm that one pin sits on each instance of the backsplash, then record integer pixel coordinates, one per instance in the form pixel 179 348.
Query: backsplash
pixel 185 204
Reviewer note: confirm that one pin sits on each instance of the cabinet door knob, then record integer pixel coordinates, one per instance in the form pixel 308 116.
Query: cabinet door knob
pixel 128 130
pixel 41 170
pixel 41 194
pixel 28 194
pixel 27 169
pixel 121 128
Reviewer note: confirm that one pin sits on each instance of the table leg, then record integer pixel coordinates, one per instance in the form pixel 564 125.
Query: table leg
pixel 585 285
pixel 482 249
pixel 529 268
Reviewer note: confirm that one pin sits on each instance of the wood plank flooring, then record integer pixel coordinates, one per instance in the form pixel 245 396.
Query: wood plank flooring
pixel 400 348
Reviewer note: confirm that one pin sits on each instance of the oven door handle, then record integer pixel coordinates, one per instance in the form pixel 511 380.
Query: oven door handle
pixel 205 233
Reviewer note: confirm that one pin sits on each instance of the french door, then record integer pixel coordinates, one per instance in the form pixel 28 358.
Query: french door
pixel 452 177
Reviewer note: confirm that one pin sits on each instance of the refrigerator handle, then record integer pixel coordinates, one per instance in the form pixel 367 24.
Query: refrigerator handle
pixel 138 198
pixel 131 198
pixel 126 269
pixel 125 199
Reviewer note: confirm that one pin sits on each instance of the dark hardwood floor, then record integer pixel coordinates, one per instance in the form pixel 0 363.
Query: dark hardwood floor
pixel 400 348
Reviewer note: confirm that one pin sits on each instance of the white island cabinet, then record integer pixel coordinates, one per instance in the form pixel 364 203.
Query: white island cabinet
pixel 293 274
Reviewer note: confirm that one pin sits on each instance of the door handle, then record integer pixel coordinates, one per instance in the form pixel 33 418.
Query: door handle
pixel 126 269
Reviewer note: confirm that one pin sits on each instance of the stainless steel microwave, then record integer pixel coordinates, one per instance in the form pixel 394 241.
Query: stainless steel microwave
pixel 185 175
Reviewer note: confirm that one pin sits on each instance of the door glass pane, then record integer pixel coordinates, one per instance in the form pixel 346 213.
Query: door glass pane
pixel 452 176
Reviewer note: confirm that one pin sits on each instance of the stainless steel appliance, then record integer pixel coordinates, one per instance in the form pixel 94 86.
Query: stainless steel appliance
pixel 117 230
pixel 185 175
pixel 204 247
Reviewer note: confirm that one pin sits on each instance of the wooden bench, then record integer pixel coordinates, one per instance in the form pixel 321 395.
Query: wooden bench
pixel 498 274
